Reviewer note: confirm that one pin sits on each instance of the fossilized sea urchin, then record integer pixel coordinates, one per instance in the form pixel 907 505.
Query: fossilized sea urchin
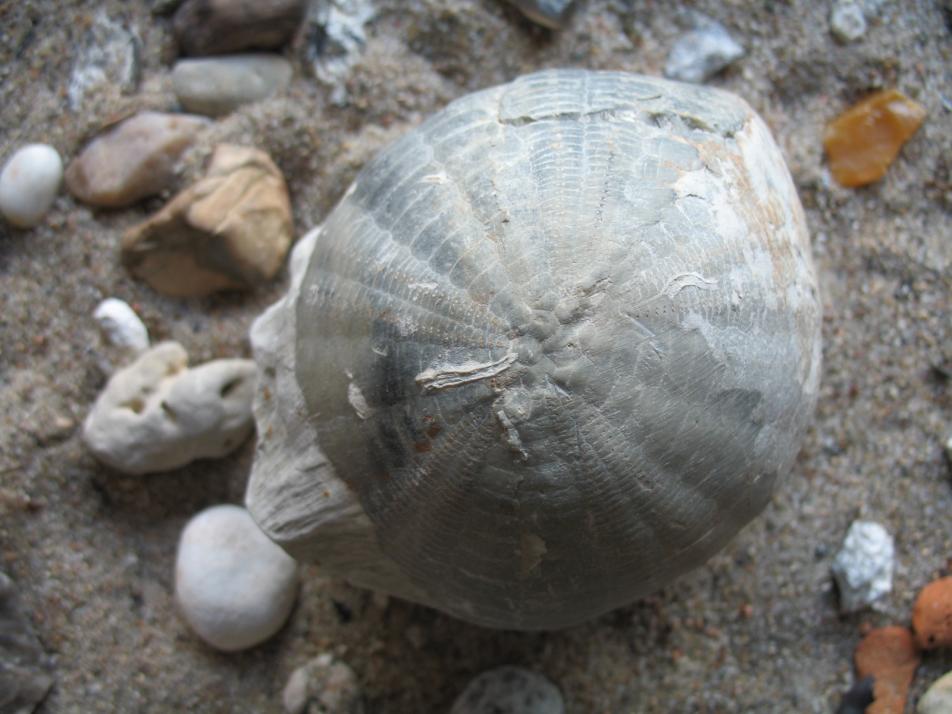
pixel 552 349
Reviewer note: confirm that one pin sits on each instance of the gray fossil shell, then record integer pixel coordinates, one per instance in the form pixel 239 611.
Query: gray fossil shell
pixel 551 350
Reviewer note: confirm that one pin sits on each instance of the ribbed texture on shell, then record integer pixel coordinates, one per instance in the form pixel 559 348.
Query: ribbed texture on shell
pixel 562 340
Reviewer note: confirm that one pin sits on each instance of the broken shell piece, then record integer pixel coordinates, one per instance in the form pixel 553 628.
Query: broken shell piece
pixel 157 415
pixel 234 586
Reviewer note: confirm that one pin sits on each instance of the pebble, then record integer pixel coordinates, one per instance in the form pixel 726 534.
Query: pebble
pixel 553 14
pixel 932 615
pixel 938 698
pixel 24 670
pixel 863 568
pixel 847 21
pixel 890 657
pixel 336 37
pixel 323 686
pixel 234 586
pixel 509 690
pixel 701 53
pixel 29 182
pixel 121 326
pixel 107 60
pixel 219 85
pixel 230 230
pixel 157 415
pixel 862 142
pixel 212 27
pixel 132 160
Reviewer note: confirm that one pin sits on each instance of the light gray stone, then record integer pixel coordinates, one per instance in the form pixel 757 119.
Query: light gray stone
pixel 323 686
pixel 938 698
pixel 847 21
pixel 218 85
pixel 24 670
pixel 234 586
pixel 701 53
pixel 863 568
pixel 336 38
pixel 121 326
pixel 157 415
pixel 132 160
pixel 108 60
pixel 509 690
pixel 29 183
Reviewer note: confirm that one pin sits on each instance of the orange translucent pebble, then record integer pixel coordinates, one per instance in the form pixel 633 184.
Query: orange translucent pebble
pixel 864 140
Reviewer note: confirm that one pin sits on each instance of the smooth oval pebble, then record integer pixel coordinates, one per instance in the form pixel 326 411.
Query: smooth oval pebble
pixel 509 690
pixel 28 184
pixel 218 85
pixel 234 586
pixel 121 326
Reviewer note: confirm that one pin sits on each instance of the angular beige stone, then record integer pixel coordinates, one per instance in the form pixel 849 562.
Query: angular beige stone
pixel 230 230
pixel 132 160
pixel 156 414
pixel 211 27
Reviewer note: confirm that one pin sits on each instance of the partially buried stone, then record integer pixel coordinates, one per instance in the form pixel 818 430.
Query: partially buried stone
pixel 29 182
pixel 132 160
pixel 890 657
pixel 234 586
pixel 156 414
pixel 938 699
pixel 702 52
pixel 24 671
pixel 863 141
pixel 549 13
pixel 863 567
pixel 107 61
pixel 932 615
pixel 847 21
pixel 323 686
pixel 509 690
pixel 212 27
pixel 230 230
pixel 219 85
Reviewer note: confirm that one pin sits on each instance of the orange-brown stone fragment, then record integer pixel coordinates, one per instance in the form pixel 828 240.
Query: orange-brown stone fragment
pixel 932 615
pixel 864 140
pixel 888 655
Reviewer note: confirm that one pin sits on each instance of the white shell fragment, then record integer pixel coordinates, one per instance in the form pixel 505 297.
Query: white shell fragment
pixel 157 415
pixel 701 53
pixel 509 690
pixel 552 349
pixel 28 184
pixel 121 326
pixel 327 684
pixel 863 568
pixel 234 586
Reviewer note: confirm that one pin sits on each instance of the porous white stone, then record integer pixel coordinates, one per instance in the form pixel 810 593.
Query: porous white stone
pixel 702 52
pixel 157 415
pixel 234 586
pixel 863 568
pixel 121 326
pixel 847 20
pixel 218 85
pixel 938 698
pixel 509 690
pixel 28 184
pixel 323 686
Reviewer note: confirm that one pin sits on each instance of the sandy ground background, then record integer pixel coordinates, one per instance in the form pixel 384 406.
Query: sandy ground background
pixel 755 630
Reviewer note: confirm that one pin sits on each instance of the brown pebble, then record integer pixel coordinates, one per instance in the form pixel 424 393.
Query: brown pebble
pixel 863 141
pixel 888 655
pixel 932 615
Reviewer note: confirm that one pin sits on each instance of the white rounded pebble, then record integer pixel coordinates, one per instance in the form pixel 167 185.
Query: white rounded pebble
pixel 28 184
pixel 863 568
pixel 938 699
pixel 121 326
pixel 234 586
pixel 509 690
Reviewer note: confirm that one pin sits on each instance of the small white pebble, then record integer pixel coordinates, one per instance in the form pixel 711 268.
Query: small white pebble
pixel 121 326
pixel 28 184
pixel 847 21
pixel 863 568
pixel 234 586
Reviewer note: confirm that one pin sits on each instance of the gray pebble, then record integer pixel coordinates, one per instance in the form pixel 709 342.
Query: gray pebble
pixel 701 53
pixel 24 673
pixel 509 690
pixel 847 21
pixel 219 85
